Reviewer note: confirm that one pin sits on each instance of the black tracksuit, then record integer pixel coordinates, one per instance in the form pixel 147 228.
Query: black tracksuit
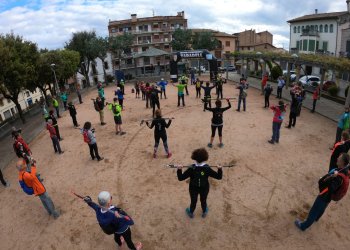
pixel 199 184
pixel 154 99
pixel 207 95
pixel 160 125
pixel 293 112
pixel 217 121
pixel 267 93
pixel 73 114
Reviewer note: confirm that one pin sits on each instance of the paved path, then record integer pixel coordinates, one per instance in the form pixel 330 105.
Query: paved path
pixel 324 107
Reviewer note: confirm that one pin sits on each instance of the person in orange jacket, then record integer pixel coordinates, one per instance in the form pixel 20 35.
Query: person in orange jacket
pixel 32 185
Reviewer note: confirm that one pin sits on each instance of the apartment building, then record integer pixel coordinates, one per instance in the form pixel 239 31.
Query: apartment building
pixel 253 41
pixel 150 32
pixel 25 99
pixel 326 33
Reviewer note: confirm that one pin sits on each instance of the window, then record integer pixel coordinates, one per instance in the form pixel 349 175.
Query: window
pixel 325 46
pixel 304 45
pixel 146 61
pixel 298 29
pixel 140 27
pixel 295 29
pixel 321 28
pixel 166 46
pixel 316 27
pixel 312 28
pixel 298 44
pixel 307 27
pixel 106 65
pixel 326 28
pixel 311 45
pixel 227 43
pixel 331 28
pixel 302 29
pixel 113 30
pixel 144 48
pixel 156 37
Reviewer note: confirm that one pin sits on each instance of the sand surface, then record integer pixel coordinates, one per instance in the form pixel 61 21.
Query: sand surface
pixel 252 207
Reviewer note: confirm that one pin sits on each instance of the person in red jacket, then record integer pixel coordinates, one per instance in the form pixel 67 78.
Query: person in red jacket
pixel 264 82
pixel 32 185
pixel 279 113
pixel 53 136
pixel 315 95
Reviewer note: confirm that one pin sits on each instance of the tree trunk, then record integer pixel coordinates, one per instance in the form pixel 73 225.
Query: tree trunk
pixel 19 108
pixel 43 90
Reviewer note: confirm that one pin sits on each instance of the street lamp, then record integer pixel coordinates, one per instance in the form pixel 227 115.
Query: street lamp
pixel 54 73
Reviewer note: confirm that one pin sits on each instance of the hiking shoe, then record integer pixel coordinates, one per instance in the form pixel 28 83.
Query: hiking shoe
pixel 205 212
pixel 221 145
pixel 297 223
pixel 117 133
pixel 169 155
pixel 122 133
pixel 100 159
pixel 238 110
pixel 154 155
pixel 61 152
pixel 188 212
pixel 271 142
pixel 210 145
pixel 103 123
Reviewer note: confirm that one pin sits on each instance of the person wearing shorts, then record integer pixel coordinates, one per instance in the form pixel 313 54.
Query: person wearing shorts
pixel 117 113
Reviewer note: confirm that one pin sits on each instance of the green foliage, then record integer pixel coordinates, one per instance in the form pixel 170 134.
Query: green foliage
pixel 17 67
pixel 121 44
pixel 276 71
pixel 333 90
pixel 204 40
pixel 182 40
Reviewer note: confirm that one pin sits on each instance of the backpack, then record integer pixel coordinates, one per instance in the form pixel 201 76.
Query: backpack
pixel 26 189
pixel 114 109
pixel 340 193
pixel 86 136
pixel 97 108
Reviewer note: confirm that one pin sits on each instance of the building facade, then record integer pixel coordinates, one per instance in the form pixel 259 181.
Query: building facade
pixel 250 40
pixel 148 32
pixel 321 33
pixel 25 99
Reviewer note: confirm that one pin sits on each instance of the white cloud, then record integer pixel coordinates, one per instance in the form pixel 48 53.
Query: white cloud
pixel 51 22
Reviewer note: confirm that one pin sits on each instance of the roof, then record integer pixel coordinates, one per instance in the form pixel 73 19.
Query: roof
pixel 320 16
pixel 151 52
pixel 147 19
pixel 215 32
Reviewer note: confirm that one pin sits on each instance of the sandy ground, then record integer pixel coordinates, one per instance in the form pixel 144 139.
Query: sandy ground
pixel 252 207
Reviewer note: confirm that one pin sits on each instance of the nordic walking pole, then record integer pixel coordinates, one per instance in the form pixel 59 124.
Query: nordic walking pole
pixel 209 99
pixel 191 166
pixel 149 120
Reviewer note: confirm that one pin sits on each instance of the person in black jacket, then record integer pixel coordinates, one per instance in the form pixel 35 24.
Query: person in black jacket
pixel 207 95
pixel 217 121
pixel 73 114
pixel 199 184
pixel 293 111
pixel 267 92
pixel 160 125
pixel 332 187
pixel 154 99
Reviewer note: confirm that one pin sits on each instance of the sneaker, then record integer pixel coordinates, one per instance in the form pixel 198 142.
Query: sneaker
pixel 122 133
pixel 238 110
pixel 61 152
pixel 154 155
pixel 221 145
pixel 117 133
pixel 205 212
pixel 103 123
pixel 169 155
pixel 56 215
pixel 271 142
pixel 297 223
pixel 188 212
pixel 100 159
pixel 93 158
pixel 210 145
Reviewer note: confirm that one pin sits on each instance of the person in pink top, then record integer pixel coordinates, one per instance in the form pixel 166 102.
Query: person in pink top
pixel 278 116
pixel 315 95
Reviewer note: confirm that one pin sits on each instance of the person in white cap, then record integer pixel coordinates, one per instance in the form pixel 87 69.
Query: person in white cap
pixel 113 220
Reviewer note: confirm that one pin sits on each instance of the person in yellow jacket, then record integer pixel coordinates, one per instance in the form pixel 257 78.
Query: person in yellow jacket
pixel 56 106
pixel 117 113
pixel 184 80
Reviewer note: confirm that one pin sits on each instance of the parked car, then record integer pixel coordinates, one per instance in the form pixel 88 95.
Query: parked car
pixel 231 68
pixel 308 81
pixel 327 85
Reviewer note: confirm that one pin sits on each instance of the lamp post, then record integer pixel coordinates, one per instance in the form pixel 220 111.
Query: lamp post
pixel 54 73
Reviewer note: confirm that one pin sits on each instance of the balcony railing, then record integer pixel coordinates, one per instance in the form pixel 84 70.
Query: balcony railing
pixel 310 33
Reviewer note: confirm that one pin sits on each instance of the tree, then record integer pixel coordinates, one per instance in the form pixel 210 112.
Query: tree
pixel 81 42
pixel 120 45
pixel 100 46
pixel 182 40
pixel 17 67
pixel 69 64
pixel 205 40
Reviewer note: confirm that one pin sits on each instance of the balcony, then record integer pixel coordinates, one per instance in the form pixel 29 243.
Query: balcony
pixel 310 33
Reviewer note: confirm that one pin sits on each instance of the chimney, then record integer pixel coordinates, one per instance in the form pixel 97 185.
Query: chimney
pixel 316 11
pixel 133 17
pixel 348 4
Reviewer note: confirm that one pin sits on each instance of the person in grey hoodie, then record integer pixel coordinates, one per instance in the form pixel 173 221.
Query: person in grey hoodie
pixel 90 139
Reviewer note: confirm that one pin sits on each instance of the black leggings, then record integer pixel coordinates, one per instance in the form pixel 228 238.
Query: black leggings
pixel 198 92
pixel 213 130
pixel 164 138
pixel 220 93
pixel 182 97
pixel 127 237
pixel 94 151
pixel 207 99
pixel 267 101
pixel 121 102
pixel 155 103
pixel 203 193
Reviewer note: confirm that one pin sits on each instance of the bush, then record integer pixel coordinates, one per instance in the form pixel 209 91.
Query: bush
pixel 276 71
pixel 333 90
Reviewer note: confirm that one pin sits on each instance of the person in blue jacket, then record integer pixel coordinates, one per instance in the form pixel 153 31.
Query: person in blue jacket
pixel 119 93
pixel 162 85
pixel 343 124
pixel 113 220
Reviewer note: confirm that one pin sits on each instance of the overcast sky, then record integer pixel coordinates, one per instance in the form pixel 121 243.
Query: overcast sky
pixel 50 23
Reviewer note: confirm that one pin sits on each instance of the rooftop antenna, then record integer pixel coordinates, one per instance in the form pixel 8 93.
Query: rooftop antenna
pixel 153 12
